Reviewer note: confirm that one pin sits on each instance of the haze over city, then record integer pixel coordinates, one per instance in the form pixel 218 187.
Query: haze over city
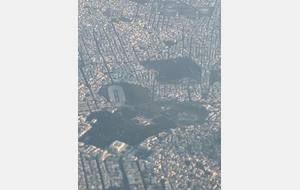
pixel 149 95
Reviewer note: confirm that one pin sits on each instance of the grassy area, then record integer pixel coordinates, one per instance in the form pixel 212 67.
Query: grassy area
pixel 103 92
pixel 172 70
pixel 200 112
pixel 119 126
pixel 135 94
pixel 215 76
pixel 169 43
pixel 141 2
pixel 145 112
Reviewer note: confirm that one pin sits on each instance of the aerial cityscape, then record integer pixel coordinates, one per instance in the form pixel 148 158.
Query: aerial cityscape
pixel 149 94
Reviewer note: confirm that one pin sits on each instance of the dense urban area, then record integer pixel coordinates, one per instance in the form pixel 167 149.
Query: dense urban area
pixel 157 58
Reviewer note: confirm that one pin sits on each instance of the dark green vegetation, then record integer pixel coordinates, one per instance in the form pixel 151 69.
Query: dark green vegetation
pixel 134 94
pixel 169 43
pixel 120 126
pixel 205 11
pixel 199 165
pixel 114 188
pixel 172 70
pixel 115 20
pixel 215 76
pixel 188 11
pixel 147 113
pixel 199 111
pixel 104 92
pixel 184 112
pixel 142 2
pixel 122 19
pixel 171 8
pixel 191 111
pixel 187 162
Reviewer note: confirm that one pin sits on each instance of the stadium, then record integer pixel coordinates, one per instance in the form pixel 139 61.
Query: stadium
pixel 116 96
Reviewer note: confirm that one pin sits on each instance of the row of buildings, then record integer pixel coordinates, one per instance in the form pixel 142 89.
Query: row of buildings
pixel 184 158
pixel 110 52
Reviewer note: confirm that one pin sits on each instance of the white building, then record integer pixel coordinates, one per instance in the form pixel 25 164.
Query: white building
pixel 117 146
